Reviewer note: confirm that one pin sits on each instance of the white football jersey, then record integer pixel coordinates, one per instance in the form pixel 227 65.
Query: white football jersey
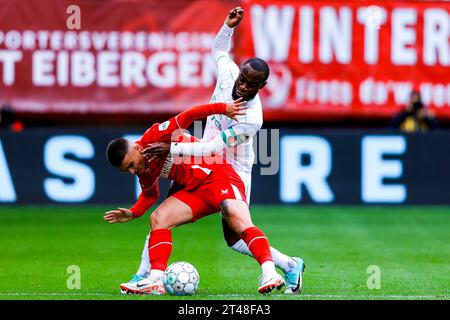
pixel 241 157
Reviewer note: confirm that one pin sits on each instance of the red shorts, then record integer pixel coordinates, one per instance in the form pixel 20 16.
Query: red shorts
pixel 207 197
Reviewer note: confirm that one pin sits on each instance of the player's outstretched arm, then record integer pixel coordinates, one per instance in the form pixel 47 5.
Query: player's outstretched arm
pixel 222 42
pixel 160 147
pixel 170 130
pixel 231 110
pixel 146 199
pixel 231 137
pixel 228 138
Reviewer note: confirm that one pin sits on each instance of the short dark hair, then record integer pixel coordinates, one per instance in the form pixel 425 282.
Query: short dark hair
pixel 116 151
pixel 259 65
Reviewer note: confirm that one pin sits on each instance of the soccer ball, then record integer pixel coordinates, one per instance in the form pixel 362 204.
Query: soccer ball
pixel 181 279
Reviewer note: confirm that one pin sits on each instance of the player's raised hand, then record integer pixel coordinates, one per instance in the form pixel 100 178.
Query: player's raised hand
pixel 234 17
pixel 156 149
pixel 119 215
pixel 236 108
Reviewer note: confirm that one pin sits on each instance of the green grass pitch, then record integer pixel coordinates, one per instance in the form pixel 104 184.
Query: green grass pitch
pixel 410 245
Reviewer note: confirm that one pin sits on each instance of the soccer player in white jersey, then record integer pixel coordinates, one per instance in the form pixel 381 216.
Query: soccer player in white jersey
pixel 223 135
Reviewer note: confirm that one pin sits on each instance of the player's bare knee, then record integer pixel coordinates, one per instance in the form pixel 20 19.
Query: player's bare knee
pixel 224 209
pixel 236 215
pixel 154 220
pixel 229 209
pixel 157 220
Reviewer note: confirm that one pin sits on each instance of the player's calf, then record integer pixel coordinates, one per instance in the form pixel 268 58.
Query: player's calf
pixel 231 237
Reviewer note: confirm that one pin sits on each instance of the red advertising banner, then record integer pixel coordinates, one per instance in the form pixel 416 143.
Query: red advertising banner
pixel 328 59
pixel 126 57
pixel 350 58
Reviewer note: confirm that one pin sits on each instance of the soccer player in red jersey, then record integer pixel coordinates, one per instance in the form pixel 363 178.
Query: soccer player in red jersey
pixel 209 187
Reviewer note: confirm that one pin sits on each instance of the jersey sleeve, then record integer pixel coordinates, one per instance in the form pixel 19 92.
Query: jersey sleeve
pixel 247 125
pixel 228 138
pixel 236 134
pixel 146 199
pixel 221 51
pixel 239 133
pixel 171 129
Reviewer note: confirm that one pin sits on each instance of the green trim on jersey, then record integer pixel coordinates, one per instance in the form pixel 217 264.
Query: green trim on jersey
pixel 231 139
pixel 222 56
pixel 224 138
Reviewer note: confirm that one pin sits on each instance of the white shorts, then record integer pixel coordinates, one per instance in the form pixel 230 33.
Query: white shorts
pixel 247 179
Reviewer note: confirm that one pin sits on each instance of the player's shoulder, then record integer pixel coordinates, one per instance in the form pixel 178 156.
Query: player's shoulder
pixel 163 125
pixel 227 67
pixel 154 130
pixel 157 126
pixel 254 112
pixel 224 85
pixel 150 130
pixel 255 103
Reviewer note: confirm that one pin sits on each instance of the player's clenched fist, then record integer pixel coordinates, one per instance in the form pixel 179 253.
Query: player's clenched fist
pixel 119 215
pixel 234 17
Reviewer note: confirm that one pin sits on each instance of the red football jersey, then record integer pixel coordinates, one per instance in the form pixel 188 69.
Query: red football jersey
pixel 190 174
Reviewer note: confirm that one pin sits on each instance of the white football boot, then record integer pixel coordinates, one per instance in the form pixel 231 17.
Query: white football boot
pixel 146 286
pixel 134 279
pixel 268 283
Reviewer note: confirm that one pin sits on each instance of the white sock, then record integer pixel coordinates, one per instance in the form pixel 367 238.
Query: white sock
pixel 268 269
pixel 144 268
pixel 156 275
pixel 241 247
pixel 281 260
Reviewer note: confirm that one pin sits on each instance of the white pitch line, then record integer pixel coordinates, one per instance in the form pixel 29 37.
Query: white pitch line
pixel 54 294
pixel 337 296
pixel 328 296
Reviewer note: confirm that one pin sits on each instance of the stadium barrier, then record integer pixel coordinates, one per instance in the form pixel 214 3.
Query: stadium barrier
pixel 293 166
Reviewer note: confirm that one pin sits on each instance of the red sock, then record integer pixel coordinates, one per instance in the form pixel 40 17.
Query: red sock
pixel 258 244
pixel 159 248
